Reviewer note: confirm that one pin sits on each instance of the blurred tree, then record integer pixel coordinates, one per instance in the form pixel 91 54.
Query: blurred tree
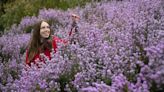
pixel 2 11
pixel 2 3
pixel 14 10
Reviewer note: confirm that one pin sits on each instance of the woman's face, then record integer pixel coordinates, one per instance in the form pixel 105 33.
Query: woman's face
pixel 44 30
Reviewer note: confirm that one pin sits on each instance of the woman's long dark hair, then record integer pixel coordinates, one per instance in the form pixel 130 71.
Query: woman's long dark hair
pixel 38 44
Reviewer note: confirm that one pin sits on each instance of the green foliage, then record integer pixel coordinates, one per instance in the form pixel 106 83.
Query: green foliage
pixel 154 87
pixel 125 88
pixel 108 81
pixel 16 10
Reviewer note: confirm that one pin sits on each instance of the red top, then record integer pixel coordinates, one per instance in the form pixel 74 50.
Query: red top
pixel 47 52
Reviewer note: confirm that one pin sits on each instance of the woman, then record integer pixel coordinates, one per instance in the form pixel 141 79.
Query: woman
pixel 42 41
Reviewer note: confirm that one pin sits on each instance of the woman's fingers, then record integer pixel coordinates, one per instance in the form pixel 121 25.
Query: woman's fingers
pixel 75 17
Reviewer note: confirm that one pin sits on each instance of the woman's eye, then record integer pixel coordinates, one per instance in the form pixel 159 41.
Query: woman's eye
pixel 42 27
pixel 45 27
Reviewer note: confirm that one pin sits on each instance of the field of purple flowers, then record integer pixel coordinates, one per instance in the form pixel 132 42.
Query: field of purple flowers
pixel 119 48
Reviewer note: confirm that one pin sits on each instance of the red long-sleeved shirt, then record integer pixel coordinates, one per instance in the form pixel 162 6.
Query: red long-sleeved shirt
pixel 47 52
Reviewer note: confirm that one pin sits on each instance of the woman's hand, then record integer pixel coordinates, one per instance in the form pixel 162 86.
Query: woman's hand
pixel 75 17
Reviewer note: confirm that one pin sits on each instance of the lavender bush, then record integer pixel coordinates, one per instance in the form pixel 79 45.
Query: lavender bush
pixel 119 47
